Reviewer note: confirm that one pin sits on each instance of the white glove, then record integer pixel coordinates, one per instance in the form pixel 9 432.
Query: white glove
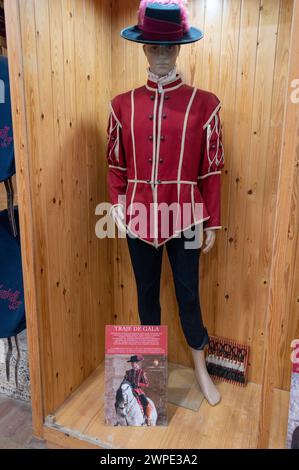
pixel 118 215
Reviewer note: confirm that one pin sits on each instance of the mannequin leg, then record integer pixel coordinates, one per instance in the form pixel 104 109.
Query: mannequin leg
pixel 185 268
pixel 146 262
pixel 204 380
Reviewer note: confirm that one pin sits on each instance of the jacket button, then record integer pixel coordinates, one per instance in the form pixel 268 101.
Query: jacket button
pixel 159 181
pixel 152 97
pixel 161 160
pixel 166 97
pixel 162 137
pixel 150 137
pixel 148 181
pixel 150 159
pixel 164 116
pixel 151 117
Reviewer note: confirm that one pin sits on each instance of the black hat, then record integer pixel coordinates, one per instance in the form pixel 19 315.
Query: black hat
pixel 162 22
pixel 135 358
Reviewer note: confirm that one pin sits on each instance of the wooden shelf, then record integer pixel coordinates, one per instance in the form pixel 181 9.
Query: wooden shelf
pixel 79 422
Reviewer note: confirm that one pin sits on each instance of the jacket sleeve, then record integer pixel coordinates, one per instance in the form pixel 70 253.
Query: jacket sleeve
pixel 117 170
pixel 143 380
pixel 212 162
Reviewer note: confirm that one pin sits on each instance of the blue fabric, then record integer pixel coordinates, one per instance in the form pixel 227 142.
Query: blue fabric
pixel 12 306
pixel 7 162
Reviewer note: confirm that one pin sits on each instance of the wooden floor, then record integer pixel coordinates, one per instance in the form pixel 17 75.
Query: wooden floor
pixel 16 425
pixel 230 425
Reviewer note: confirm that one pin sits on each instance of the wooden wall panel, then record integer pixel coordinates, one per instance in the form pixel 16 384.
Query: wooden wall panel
pixel 282 321
pixel 66 69
pixel 27 224
pixel 243 58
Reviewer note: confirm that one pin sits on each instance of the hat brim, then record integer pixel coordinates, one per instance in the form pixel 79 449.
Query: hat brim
pixel 133 33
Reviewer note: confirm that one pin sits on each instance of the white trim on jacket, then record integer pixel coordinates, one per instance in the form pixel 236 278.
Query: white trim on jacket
pixel 213 228
pixel 212 115
pixel 165 89
pixel 114 115
pixel 131 180
pixel 175 234
pixel 117 167
pixel 134 152
pixel 209 174
pixel 182 151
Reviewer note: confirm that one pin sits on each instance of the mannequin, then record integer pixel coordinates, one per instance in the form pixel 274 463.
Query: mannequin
pixel 146 259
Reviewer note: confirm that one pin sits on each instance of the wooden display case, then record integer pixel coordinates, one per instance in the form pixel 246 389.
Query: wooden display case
pixel 67 61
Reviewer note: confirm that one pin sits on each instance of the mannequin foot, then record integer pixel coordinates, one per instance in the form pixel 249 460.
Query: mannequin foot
pixel 208 388
pixel 203 378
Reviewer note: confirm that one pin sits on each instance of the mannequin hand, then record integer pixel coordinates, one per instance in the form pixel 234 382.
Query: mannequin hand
pixel 209 240
pixel 117 214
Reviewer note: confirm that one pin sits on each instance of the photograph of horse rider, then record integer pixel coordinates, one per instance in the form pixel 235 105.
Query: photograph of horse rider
pixel 138 378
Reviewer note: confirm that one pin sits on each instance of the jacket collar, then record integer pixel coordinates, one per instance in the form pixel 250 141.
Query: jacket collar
pixel 169 82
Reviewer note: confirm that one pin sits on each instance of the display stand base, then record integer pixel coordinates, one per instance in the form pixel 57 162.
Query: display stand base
pixel 183 389
pixel 232 424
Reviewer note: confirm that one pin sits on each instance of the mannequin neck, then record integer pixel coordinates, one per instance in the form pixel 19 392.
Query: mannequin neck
pixel 170 77
pixel 155 78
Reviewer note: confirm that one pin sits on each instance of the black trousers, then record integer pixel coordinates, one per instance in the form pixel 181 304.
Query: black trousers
pixel 147 262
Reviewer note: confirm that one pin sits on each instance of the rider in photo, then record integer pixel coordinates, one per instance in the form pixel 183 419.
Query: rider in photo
pixel 138 379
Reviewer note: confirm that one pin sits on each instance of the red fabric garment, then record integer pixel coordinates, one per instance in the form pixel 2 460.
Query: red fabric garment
pixel 165 146
pixel 139 377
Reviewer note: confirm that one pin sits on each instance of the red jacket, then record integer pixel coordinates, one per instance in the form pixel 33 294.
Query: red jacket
pixel 138 377
pixel 165 146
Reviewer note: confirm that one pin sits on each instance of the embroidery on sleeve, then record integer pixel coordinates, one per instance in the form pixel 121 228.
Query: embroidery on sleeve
pixel 215 151
pixel 113 139
pixel 115 151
